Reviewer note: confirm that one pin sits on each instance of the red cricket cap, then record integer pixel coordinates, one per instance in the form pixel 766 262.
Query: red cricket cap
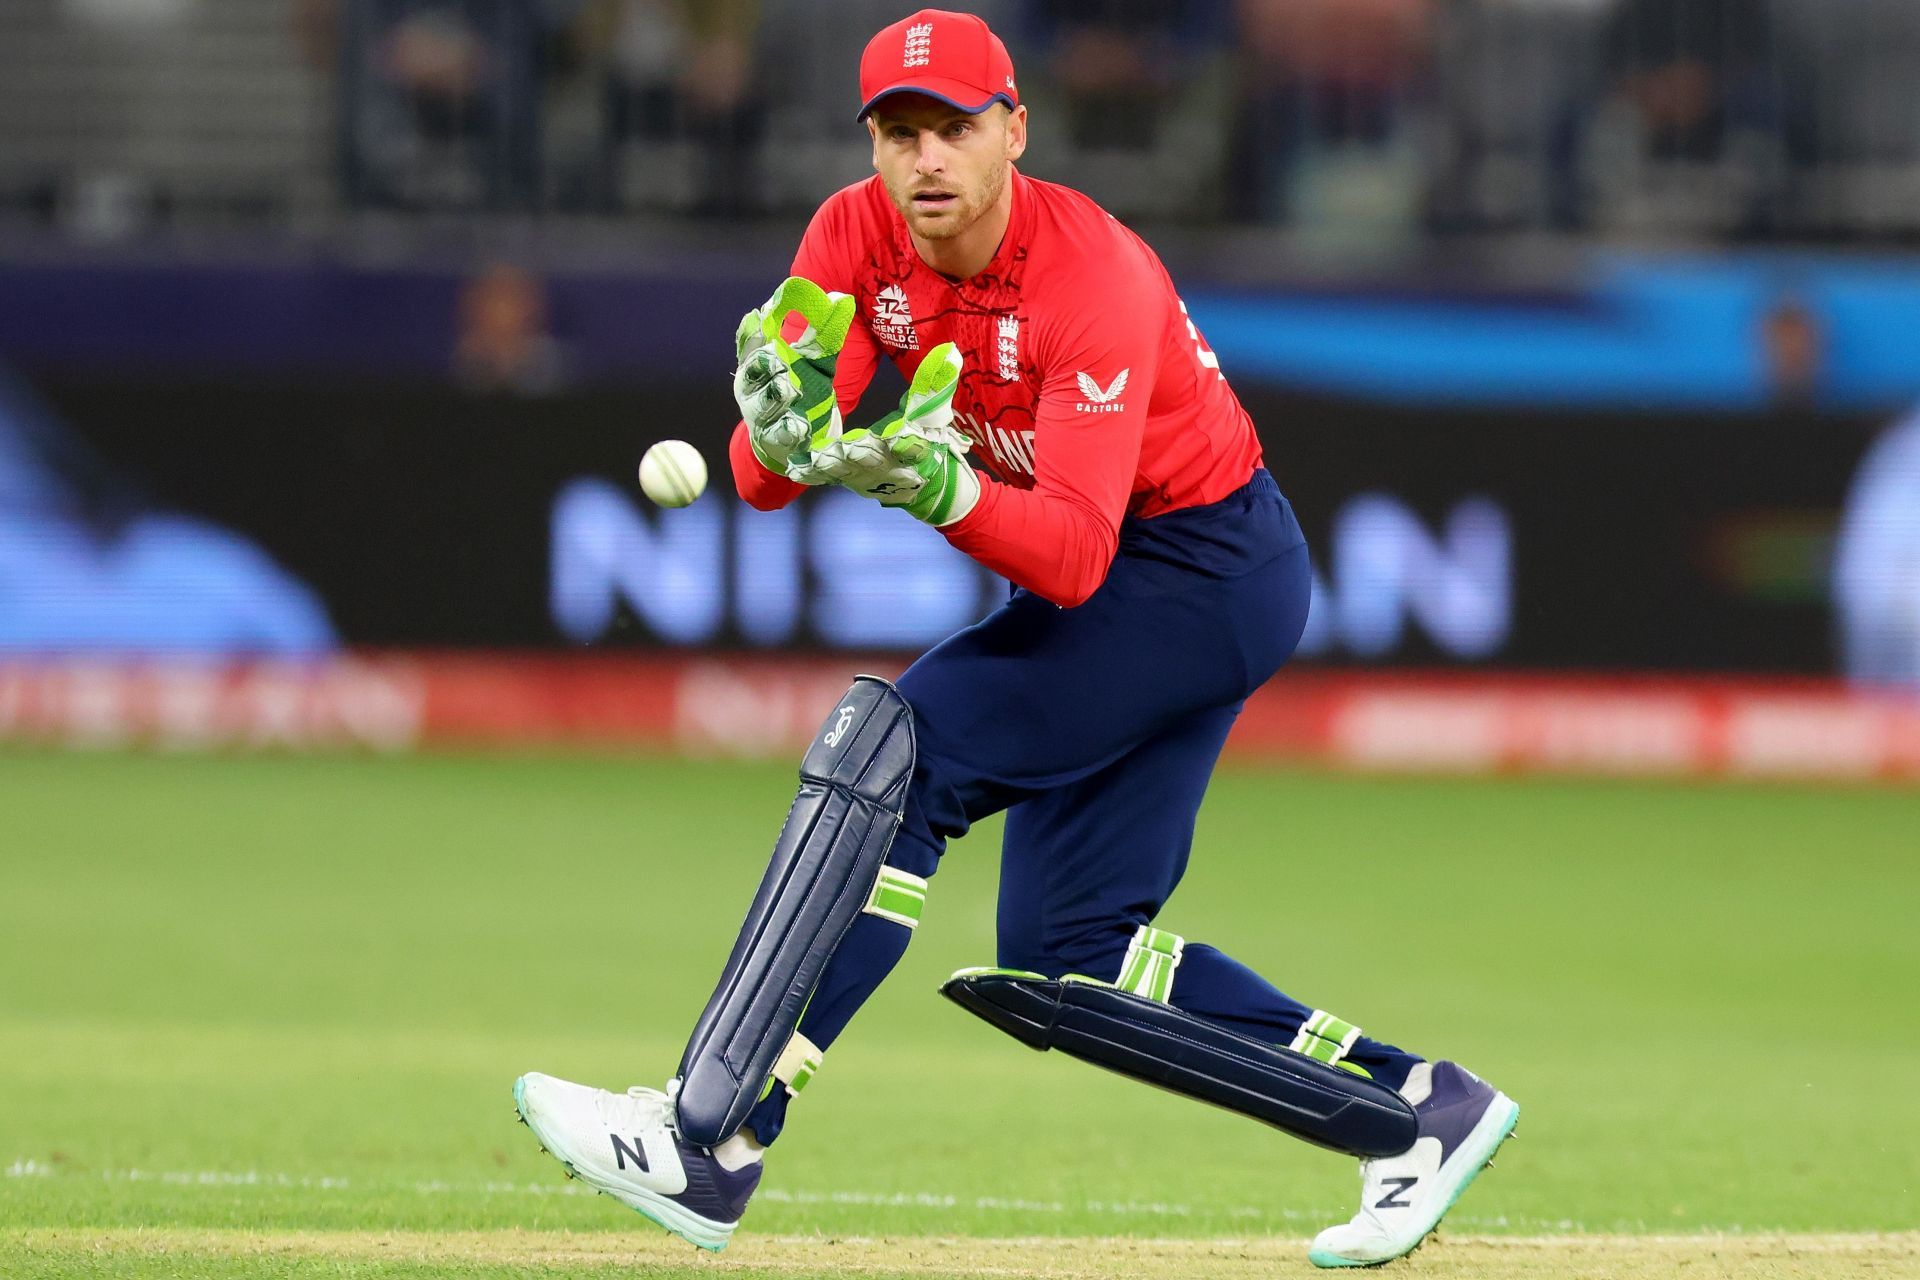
pixel 945 55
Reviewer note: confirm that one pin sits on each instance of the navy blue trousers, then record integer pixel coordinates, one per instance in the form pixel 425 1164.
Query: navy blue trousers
pixel 1096 729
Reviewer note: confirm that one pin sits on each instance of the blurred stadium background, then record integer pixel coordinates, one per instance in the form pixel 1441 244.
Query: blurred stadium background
pixel 1581 332
pixel 1584 335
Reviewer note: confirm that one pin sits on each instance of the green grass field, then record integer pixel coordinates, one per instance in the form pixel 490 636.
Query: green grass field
pixel 261 1017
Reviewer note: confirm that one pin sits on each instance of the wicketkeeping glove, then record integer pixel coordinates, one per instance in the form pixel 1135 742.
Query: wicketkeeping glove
pixel 785 390
pixel 914 458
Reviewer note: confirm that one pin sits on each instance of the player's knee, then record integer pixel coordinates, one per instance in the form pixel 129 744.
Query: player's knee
pixel 934 813
pixel 1134 957
pixel 1095 950
pixel 1021 944
pixel 1019 951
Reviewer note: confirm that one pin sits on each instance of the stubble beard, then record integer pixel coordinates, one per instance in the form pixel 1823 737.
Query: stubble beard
pixel 957 222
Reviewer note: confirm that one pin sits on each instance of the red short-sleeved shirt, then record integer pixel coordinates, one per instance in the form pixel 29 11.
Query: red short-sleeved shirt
pixel 1087 391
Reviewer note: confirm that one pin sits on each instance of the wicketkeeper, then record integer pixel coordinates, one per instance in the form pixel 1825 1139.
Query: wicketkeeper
pixel 1066 426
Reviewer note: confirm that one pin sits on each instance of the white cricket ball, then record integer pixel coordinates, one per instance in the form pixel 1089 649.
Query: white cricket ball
pixel 673 473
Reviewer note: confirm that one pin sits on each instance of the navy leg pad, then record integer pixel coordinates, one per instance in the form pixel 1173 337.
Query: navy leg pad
pixel 1164 1046
pixel 853 788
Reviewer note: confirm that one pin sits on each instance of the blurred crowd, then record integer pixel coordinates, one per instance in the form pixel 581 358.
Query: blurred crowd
pixel 1718 118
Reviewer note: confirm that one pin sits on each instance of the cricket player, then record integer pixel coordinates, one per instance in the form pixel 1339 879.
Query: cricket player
pixel 1067 426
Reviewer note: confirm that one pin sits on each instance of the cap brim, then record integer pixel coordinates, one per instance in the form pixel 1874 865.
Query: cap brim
pixel 952 92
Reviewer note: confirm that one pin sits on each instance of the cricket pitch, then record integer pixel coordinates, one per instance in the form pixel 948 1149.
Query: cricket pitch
pixel 109 1252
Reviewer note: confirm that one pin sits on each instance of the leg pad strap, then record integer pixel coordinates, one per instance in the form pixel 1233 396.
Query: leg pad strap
pixel 1325 1038
pixel 1151 959
pixel 899 896
pixel 797 1063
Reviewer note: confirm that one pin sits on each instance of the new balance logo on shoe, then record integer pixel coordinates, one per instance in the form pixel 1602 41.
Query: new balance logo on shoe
pixel 622 1153
pixel 1395 1197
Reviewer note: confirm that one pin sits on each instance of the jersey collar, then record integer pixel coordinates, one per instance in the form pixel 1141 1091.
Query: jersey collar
pixel 1011 244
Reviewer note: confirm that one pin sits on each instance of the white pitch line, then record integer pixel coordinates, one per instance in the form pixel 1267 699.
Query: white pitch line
pixel 773 1195
pixel 933 1200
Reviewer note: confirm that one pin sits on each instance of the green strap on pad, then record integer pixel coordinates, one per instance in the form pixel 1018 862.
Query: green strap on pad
pixel 795 1066
pixel 1328 1039
pixel 899 896
pixel 1151 959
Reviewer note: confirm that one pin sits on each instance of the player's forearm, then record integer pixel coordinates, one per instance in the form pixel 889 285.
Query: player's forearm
pixel 1049 544
pixel 759 488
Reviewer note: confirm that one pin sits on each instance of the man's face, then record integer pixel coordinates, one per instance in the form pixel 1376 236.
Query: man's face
pixel 942 167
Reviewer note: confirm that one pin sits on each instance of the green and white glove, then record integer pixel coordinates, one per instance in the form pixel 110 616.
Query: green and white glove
pixel 785 390
pixel 914 458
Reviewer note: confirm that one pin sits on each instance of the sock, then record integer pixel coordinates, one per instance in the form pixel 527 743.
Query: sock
pixel 739 1151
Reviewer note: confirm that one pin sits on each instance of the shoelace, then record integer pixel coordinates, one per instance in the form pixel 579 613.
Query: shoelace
pixel 653 1106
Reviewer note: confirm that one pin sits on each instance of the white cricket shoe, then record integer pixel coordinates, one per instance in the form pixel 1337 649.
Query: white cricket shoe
pixel 1462 1122
pixel 624 1144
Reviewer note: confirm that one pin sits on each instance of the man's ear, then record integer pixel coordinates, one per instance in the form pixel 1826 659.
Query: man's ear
pixel 1016 133
pixel 873 135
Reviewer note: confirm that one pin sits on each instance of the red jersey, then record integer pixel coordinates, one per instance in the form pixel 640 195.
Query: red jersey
pixel 1088 393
